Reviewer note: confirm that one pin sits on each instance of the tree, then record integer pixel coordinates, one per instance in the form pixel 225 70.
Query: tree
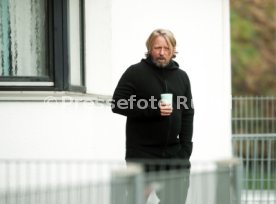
pixel 253 47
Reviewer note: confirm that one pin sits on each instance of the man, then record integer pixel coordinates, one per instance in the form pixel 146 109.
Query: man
pixel 156 130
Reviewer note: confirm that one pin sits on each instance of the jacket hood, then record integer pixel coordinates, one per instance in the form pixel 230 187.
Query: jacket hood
pixel 172 65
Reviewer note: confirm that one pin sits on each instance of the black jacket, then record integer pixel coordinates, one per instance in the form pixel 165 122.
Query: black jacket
pixel 148 134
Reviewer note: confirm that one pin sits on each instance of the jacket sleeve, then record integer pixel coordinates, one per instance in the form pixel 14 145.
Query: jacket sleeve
pixel 124 99
pixel 186 132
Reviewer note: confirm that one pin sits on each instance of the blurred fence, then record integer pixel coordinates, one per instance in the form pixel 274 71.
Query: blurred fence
pixel 254 142
pixel 94 182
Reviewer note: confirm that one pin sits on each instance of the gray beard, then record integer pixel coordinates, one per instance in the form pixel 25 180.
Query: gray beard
pixel 160 64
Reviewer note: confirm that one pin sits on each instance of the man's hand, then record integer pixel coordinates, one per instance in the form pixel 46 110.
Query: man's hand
pixel 165 109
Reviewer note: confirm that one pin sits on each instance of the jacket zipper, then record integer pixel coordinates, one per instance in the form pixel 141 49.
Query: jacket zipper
pixel 169 126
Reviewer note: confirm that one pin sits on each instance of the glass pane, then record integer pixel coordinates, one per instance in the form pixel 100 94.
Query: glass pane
pixel 23 38
pixel 75 42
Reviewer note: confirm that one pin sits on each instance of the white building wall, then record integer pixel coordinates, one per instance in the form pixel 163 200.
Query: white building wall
pixel 116 31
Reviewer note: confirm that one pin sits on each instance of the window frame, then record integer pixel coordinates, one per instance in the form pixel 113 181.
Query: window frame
pixel 58 58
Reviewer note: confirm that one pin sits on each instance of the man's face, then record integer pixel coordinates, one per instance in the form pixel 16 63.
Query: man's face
pixel 161 52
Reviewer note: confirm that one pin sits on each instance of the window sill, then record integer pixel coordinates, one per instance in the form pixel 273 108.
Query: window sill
pixel 52 96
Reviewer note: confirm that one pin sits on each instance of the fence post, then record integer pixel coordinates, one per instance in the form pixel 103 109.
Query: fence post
pixel 127 185
pixel 228 181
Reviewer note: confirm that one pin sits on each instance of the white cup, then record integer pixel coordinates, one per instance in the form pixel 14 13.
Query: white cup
pixel 167 98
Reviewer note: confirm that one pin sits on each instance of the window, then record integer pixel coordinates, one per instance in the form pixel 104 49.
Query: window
pixel 41 45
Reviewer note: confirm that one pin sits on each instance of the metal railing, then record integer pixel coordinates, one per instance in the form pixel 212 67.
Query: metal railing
pixel 254 142
pixel 254 115
pixel 94 182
